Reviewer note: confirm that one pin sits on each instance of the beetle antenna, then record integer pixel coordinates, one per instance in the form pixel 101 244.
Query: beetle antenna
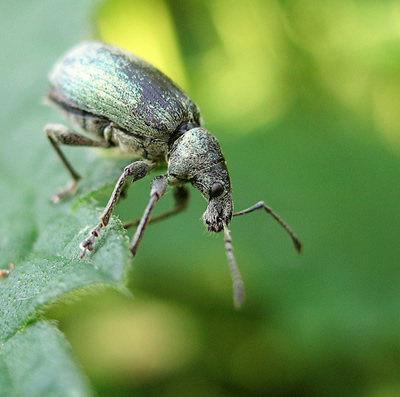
pixel 238 287
pixel 260 205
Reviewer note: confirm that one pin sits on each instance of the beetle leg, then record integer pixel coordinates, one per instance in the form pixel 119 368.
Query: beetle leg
pixel 262 205
pixel 157 189
pixel 138 170
pixel 59 134
pixel 181 197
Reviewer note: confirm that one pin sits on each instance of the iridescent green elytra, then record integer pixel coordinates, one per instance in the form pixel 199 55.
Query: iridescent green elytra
pixel 118 100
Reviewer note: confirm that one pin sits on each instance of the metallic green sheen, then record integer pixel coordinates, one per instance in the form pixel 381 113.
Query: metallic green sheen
pixel 107 82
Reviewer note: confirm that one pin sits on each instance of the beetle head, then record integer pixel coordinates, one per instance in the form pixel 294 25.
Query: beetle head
pixel 215 187
pixel 196 157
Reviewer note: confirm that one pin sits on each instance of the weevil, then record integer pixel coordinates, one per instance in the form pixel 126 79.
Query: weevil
pixel 116 99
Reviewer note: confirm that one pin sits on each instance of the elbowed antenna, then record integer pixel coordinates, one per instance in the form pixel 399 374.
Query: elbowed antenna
pixel 260 205
pixel 238 287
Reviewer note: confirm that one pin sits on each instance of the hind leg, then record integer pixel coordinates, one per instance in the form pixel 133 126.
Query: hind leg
pixel 58 135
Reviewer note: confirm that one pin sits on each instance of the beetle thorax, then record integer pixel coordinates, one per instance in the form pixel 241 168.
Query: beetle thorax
pixel 192 153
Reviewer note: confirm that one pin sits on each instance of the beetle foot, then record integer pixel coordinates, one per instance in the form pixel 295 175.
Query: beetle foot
pixel 61 194
pixel 4 273
pixel 88 244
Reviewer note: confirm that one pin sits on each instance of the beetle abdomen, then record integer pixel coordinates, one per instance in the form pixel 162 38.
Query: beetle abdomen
pixel 109 82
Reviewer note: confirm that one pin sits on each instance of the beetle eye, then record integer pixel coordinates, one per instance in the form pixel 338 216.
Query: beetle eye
pixel 216 190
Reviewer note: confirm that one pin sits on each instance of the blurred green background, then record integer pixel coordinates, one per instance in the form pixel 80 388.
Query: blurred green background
pixel 304 97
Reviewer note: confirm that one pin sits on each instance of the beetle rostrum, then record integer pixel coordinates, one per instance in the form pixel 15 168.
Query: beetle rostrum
pixel 115 99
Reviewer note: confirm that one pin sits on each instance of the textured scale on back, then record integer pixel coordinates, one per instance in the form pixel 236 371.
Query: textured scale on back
pixel 123 88
pixel 119 100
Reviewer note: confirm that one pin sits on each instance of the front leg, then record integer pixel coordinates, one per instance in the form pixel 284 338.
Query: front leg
pixel 138 170
pixel 59 134
pixel 261 205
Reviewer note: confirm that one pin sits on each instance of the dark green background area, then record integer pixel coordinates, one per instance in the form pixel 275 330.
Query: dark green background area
pixel 326 158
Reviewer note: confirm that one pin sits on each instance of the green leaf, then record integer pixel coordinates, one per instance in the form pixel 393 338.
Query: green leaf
pixel 37 361
pixel 54 267
pixel 42 240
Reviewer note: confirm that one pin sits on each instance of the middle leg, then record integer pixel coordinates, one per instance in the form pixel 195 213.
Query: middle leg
pixel 181 198
pixel 157 189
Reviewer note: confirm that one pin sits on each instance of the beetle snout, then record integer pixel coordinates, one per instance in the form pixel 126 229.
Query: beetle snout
pixel 215 227
pixel 218 212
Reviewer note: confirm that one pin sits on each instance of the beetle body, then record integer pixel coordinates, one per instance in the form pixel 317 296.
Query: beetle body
pixel 118 100
pixel 102 86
